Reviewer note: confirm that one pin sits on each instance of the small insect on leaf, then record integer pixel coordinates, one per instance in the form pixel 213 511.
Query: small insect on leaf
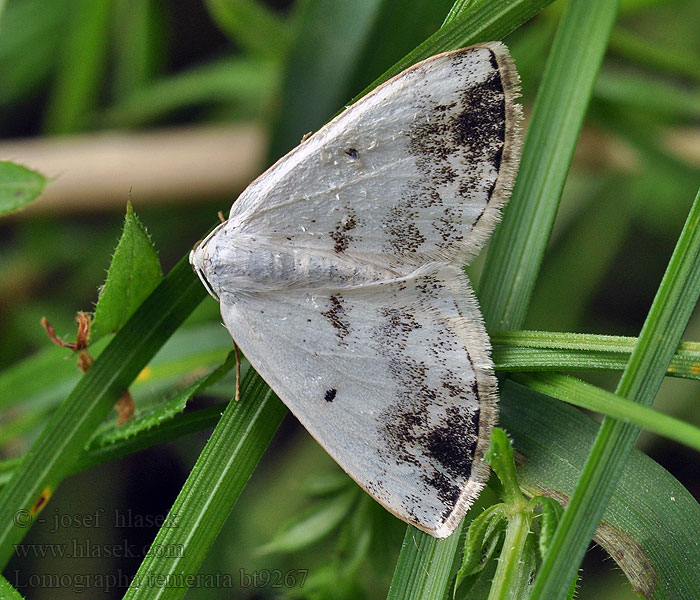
pixel 339 274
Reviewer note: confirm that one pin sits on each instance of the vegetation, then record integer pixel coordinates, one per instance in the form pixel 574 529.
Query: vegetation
pixel 601 241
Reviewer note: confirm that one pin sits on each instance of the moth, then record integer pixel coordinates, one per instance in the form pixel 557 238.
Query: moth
pixel 339 275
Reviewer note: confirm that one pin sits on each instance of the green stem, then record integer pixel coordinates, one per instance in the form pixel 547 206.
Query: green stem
pixel 506 581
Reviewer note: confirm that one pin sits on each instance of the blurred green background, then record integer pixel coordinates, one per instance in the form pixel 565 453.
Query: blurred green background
pixel 106 70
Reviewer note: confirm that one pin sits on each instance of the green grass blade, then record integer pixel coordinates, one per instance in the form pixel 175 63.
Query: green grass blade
pixel 212 488
pixel 330 39
pixel 239 81
pixel 62 441
pixel 579 393
pixel 640 381
pixel 647 94
pixel 7 592
pixel 482 21
pixel 138 47
pixel 256 28
pixel 467 24
pixel 556 351
pixel 655 56
pixel 519 243
pixel 651 526
pixel 99 451
pixel 84 61
pixel 395 33
pixel 424 568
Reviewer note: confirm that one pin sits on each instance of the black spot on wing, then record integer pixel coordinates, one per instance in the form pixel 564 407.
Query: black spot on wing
pixel 453 443
pixel 447 491
pixel 340 233
pixel 330 395
pixel 400 225
pixel 337 318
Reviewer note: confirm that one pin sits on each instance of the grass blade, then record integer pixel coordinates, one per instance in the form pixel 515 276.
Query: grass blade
pixel 84 60
pixel 556 351
pixel 467 24
pixel 212 488
pixel 579 393
pixel 659 338
pixel 329 41
pixel 518 245
pixel 61 443
pixel 424 568
pixel 650 527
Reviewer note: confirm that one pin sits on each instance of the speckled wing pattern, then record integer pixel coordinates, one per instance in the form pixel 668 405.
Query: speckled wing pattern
pixel 339 276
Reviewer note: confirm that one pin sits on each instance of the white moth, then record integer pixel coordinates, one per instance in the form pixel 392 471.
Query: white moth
pixel 339 276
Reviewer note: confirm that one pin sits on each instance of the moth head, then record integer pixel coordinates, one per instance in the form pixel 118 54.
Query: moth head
pixel 201 261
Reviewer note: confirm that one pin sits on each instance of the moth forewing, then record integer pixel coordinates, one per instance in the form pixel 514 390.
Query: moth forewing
pixel 338 273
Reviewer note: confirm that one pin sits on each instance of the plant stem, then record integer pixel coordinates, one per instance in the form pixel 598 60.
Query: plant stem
pixel 507 578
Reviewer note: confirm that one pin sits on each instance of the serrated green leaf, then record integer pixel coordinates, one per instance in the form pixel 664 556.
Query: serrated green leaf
pixel 481 542
pixel 7 591
pixel 134 273
pixel 61 444
pixel 160 412
pixel 314 526
pixel 500 456
pixel 549 519
pixel 18 186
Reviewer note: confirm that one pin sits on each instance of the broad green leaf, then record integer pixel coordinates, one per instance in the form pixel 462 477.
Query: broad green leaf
pixel 668 317
pixel 579 393
pixel 18 186
pixel 133 274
